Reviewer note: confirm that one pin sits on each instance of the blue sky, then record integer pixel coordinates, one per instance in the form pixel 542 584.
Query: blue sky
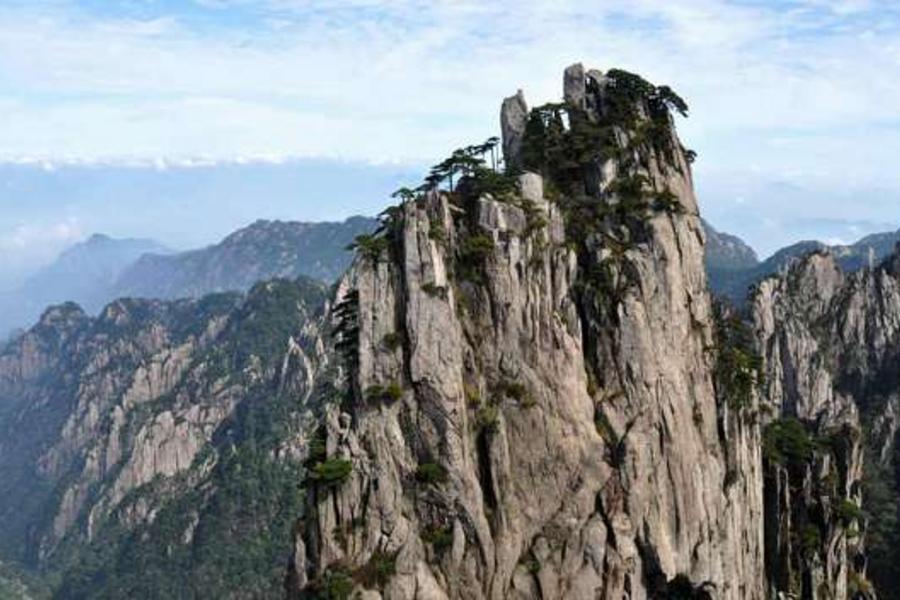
pixel 116 115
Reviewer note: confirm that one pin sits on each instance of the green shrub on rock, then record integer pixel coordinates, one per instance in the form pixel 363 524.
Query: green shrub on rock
pixel 332 472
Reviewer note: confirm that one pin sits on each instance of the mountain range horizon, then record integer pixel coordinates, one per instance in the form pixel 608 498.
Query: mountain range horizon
pixel 732 265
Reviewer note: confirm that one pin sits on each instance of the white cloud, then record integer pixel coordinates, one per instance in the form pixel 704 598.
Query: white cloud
pixel 408 79
pixel 781 90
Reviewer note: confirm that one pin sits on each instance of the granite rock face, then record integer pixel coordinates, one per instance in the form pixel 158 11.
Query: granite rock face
pixel 108 421
pixel 520 389
pixel 556 429
pixel 831 345
pixel 513 116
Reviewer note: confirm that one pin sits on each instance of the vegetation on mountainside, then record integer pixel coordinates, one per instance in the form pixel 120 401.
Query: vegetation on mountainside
pixel 273 310
pixel 880 493
pixel 391 392
pixel 431 473
pixel 738 372
pixel 227 536
pixel 788 442
pixel 568 147
pixel 806 462
pixel 560 139
pixel 331 472
pixel 222 528
pixel 346 329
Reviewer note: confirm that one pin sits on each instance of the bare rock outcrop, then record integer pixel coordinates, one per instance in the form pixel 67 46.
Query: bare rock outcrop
pixel 807 323
pixel 532 410
pixel 513 118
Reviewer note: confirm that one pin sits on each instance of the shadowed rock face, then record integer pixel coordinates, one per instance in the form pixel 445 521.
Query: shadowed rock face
pixel 560 381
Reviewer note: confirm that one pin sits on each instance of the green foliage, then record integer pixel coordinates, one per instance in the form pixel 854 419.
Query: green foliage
pixel 378 570
pixel 666 201
pixel 558 152
pixel 809 539
pixel 468 168
pixel 483 181
pixel 318 448
pixel 738 366
pixel 436 231
pixel 532 565
pixel 335 584
pixel 474 251
pixel 516 391
pixel 477 248
pixel 391 392
pixel 560 140
pixel 370 246
pixel 629 89
pixel 605 428
pixel 788 442
pixel 848 512
pixel 880 493
pixel 241 518
pixel 858 585
pixel 346 330
pixel 18 585
pixel 404 194
pixel 513 389
pixel 332 472
pixel 473 396
pixel 273 311
pixel 431 473
pixel 392 341
pixel 535 220
pixel 440 538
pixel 487 419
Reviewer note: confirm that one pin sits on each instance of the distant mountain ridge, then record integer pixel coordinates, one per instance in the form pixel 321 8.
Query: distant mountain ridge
pixel 101 269
pixel 85 274
pixel 732 266
pixel 262 250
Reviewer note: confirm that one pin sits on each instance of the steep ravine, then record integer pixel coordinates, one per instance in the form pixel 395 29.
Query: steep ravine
pixel 535 406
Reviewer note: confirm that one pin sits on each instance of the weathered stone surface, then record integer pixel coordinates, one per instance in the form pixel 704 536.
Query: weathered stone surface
pixel 574 86
pixel 808 322
pixel 502 391
pixel 513 116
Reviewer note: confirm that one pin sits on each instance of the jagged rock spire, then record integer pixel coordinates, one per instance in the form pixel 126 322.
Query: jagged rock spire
pixel 513 117
pixel 574 85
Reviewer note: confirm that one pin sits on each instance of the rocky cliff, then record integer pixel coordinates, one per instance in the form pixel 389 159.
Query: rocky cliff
pixel 520 389
pixel 548 420
pixel 155 450
pixel 831 343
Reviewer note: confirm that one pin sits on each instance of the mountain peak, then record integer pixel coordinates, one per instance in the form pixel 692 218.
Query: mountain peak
pixel 99 238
